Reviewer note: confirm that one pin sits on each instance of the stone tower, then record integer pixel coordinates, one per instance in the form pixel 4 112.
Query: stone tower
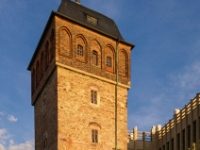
pixel 80 74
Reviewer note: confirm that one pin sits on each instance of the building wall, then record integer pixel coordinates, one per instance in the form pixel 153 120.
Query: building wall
pixel 77 116
pixel 77 76
pixel 182 131
pixel 61 86
pixel 45 114
pixel 44 92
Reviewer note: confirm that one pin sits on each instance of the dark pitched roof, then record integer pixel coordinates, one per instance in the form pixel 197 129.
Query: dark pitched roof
pixel 80 13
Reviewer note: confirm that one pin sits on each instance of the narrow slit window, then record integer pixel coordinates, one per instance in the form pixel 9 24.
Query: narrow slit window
pixel 167 145
pixel 80 50
pixel 178 141
pixel 94 136
pixel 172 144
pixel 93 96
pixel 194 131
pixel 45 141
pixel 183 139
pixel 109 61
pixel 188 136
pixel 94 57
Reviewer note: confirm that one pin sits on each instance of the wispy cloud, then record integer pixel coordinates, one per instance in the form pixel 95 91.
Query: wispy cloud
pixel 4 134
pixel 6 143
pixel 172 92
pixel 1 113
pixel 11 118
pixel 28 145
pixel 188 77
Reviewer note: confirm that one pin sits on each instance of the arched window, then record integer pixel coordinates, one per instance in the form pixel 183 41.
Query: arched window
pixel 122 63
pixel 108 61
pixel 95 57
pixel 95 132
pixel 94 136
pixel 80 50
pixel 52 44
pixel 65 43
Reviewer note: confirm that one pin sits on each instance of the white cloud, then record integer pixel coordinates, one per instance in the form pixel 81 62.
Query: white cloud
pixel 1 113
pixel 12 118
pixel 181 85
pixel 5 138
pixel 188 78
pixel 28 145
pixel 4 134
pixel 2 147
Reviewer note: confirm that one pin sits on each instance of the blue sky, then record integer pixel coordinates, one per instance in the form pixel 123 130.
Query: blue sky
pixel 165 64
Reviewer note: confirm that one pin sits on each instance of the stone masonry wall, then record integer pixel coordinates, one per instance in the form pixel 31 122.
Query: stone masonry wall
pixel 77 116
pixel 45 113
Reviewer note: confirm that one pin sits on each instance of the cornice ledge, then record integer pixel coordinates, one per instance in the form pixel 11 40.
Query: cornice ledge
pixel 91 75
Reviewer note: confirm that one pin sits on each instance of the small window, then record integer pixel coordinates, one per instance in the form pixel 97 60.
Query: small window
pixel 109 61
pixel 80 50
pixel 178 142
pixel 91 20
pixel 44 107
pixel 188 136
pixel 94 136
pixel 94 57
pixel 194 131
pixel 46 55
pixel 163 147
pixel 45 141
pixel 167 145
pixel 93 96
pixel 172 144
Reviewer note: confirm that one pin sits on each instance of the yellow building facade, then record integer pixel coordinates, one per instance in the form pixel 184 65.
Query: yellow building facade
pixel 180 133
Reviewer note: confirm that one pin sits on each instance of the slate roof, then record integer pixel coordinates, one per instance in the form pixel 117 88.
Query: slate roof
pixel 79 13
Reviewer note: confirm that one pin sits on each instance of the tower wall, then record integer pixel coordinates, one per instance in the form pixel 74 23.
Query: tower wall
pixel 77 116
pixel 45 113
pixel 77 77
pixel 62 83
